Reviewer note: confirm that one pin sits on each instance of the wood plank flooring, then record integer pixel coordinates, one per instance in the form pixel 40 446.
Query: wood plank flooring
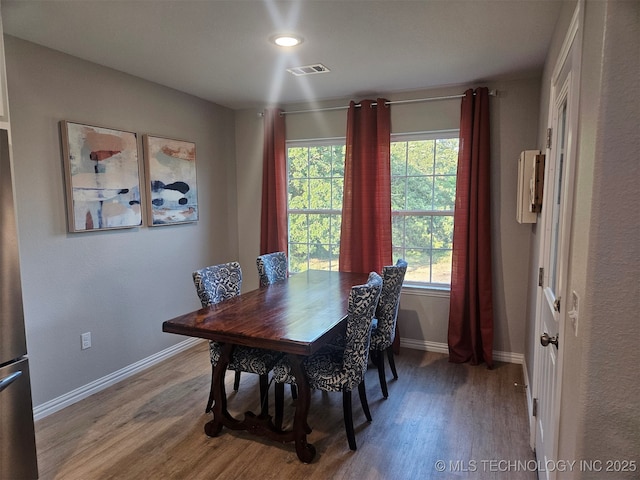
pixel 150 426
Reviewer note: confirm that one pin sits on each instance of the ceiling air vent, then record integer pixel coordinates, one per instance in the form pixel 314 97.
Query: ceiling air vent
pixel 308 70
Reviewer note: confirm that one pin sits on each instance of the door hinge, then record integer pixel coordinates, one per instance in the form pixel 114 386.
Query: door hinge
pixel 549 137
pixel 540 277
pixel 535 407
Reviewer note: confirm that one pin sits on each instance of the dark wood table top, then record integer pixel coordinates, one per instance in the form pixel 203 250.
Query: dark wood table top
pixel 295 316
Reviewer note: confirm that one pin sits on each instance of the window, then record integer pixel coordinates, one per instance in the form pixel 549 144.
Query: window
pixel 423 185
pixel 316 179
pixel 423 194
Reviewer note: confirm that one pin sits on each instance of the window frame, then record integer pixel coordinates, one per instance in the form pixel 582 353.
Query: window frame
pixel 307 143
pixel 420 136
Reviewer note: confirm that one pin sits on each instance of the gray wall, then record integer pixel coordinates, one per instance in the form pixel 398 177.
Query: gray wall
pixel 423 315
pixel 119 285
pixel 599 417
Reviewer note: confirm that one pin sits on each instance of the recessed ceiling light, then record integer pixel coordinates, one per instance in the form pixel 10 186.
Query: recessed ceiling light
pixel 286 40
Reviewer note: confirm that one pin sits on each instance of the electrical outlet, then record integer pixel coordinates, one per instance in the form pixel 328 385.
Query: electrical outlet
pixel 86 340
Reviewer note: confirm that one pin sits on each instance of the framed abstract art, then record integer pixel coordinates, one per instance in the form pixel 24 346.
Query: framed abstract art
pixel 172 191
pixel 102 177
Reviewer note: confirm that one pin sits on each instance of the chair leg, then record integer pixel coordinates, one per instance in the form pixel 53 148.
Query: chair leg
pixel 362 391
pixel 264 394
pixel 392 362
pixel 210 401
pixel 379 362
pixel 236 381
pixel 294 391
pixel 279 408
pixel 348 419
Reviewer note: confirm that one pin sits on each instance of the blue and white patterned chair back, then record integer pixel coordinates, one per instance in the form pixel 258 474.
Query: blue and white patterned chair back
pixel 272 267
pixel 362 304
pixel 387 309
pixel 218 282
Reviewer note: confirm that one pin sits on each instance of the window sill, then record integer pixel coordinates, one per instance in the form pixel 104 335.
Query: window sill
pixel 427 291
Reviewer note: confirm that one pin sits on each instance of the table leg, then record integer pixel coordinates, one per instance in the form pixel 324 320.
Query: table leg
pixel 220 412
pixel 306 452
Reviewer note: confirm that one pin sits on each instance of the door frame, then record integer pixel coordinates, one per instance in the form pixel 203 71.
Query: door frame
pixel 570 56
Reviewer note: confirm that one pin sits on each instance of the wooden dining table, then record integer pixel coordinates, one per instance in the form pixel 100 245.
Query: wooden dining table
pixel 296 316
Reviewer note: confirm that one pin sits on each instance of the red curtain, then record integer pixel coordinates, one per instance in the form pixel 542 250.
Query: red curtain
pixel 365 238
pixel 273 221
pixel 470 334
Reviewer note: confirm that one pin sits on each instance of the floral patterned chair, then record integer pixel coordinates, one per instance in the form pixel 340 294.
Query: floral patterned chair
pixel 215 284
pixel 384 324
pixel 342 369
pixel 272 267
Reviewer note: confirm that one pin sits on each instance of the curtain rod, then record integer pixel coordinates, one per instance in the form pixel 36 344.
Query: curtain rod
pixel 492 93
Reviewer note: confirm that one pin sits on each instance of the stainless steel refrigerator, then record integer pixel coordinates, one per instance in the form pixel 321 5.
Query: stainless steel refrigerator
pixel 17 437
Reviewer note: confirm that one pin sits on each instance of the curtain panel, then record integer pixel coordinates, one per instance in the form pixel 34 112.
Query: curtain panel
pixel 365 237
pixel 273 219
pixel 470 335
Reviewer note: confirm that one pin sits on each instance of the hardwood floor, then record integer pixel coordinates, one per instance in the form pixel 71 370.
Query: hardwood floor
pixel 150 426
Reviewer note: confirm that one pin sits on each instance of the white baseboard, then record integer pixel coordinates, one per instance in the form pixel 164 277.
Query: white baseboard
pixel 437 347
pixel 52 406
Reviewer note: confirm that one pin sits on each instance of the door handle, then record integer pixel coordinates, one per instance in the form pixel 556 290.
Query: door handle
pixel 5 382
pixel 545 339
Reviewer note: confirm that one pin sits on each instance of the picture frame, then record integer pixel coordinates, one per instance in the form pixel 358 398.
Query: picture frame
pixel 102 177
pixel 171 181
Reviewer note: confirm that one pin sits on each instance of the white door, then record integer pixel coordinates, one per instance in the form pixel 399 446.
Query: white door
pixel 555 237
pixel 550 305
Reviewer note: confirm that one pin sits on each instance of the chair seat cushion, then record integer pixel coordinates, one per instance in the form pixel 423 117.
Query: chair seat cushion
pixel 324 369
pixel 246 359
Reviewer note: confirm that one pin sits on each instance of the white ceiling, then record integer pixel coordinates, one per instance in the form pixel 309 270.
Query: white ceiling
pixel 219 49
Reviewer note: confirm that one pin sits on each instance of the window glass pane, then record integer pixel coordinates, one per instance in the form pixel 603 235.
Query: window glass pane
pixel 441 266
pixel 417 232
pixel 444 194
pixel 336 224
pixel 298 194
pixel 298 163
pixel 320 194
pixel 443 232
pixel 420 158
pixel 337 188
pixel 338 160
pixel 398 187
pixel 419 193
pixel 298 232
pixel 335 257
pixel 398 158
pixel 419 265
pixel 446 156
pixel 298 254
pixel 397 232
pixel 320 161
pixel 318 230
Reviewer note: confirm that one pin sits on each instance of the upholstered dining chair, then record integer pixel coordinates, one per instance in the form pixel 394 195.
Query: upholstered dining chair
pixel 384 325
pixel 272 267
pixel 337 369
pixel 216 284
